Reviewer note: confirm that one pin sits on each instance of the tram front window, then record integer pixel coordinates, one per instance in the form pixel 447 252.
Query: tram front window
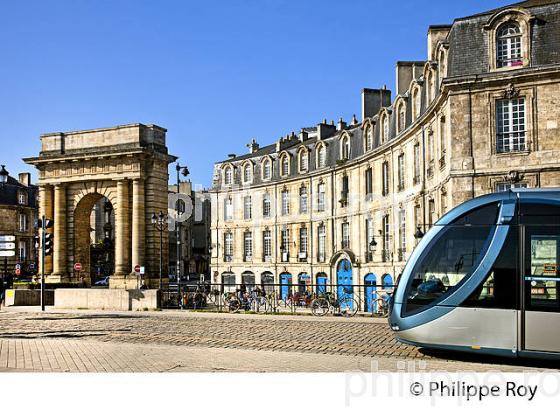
pixel 449 258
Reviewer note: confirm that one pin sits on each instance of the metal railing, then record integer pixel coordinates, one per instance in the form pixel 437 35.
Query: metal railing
pixel 273 298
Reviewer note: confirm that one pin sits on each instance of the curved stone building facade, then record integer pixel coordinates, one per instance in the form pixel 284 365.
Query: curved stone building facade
pixel 344 201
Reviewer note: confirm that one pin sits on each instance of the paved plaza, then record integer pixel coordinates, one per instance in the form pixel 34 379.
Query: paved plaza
pixel 88 341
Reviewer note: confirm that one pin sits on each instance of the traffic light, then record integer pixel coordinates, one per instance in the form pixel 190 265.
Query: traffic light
pixel 36 242
pixel 48 244
pixel 48 223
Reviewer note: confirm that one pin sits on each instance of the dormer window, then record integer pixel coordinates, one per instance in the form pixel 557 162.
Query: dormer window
pixel 508 46
pixel 267 169
pixel 321 156
pixel 285 166
pixel 228 176
pixel 303 161
pixel 247 173
pixel 385 129
pixel 369 138
pixel 345 148
pixel 22 198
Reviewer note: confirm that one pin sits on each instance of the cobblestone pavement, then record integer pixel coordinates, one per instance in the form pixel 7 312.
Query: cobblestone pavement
pixel 187 341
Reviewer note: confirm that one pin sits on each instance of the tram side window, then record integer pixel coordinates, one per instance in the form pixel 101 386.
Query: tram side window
pixel 499 290
pixel 446 261
pixel 485 215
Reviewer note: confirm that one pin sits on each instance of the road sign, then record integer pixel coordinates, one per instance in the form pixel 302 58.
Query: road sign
pixel 7 253
pixel 78 266
pixel 18 272
pixel 7 238
pixel 18 266
pixel 7 245
pixel 137 268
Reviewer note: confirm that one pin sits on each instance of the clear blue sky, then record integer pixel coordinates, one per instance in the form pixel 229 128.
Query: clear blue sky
pixel 214 73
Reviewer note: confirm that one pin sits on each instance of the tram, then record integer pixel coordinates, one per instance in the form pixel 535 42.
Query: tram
pixel 486 278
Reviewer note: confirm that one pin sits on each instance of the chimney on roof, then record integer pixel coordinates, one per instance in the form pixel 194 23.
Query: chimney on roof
pixel 354 120
pixel 253 146
pixel 325 130
pixel 341 125
pixel 231 156
pixel 303 135
pixel 24 178
pixel 373 100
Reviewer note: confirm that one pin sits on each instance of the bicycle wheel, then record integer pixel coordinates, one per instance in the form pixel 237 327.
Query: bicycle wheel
pixel 320 307
pixel 233 304
pixel 381 308
pixel 348 306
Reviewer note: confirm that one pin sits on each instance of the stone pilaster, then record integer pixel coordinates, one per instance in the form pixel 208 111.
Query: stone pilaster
pixel 138 222
pixel 122 240
pixel 59 256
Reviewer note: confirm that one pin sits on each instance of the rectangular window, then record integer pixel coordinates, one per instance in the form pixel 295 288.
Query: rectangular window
pixel 400 164
pixel 506 186
pixel 285 203
pixel 22 198
pixel 321 198
pixel 369 181
pixel 386 254
pixel 284 244
pixel 369 239
pixel 303 241
pixel 385 176
pixel 345 235
pixel 228 209
pixel 402 235
pixel 267 244
pixel 247 208
pixel 22 250
pixel 431 212
pixel 344 191
pixel 416 163
pixel 228 246
pixel 248 246
pixel 322 245
pixel 510 125
pixel 303 200
pixel 266 206
pixel 418 217
pixel 22 222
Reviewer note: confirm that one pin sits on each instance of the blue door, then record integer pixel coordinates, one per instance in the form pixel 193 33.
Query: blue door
pixel 370 283
pixel 285 285
pixel 387 282
pixel 321 284
pixel 344 281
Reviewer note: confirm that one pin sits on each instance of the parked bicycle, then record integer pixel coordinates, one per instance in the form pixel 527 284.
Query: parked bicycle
pixel 381 303
pixel 346 305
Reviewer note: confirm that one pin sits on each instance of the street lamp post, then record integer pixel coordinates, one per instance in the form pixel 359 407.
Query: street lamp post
pixel 160 222
pixel 180 171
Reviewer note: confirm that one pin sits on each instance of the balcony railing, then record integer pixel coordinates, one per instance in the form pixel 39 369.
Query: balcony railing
pixel 247 258
pixel 442 161
pixel 386 255
pixel 369 256
pixel 430 171
pixel 401 253
pixel 302 256
pixel 400 187
pixel 321 257
pixel 416 179
pixel 228 258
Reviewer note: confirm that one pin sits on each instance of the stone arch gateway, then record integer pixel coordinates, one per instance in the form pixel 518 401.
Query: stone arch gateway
pixel 127 165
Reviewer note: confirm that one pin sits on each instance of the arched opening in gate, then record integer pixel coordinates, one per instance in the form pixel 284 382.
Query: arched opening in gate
pixel 321 280
pixel 304 280
pixel 228 282
pixel 370 285
pixel 285 285
pixel 344 280
pixel 248 279
pixel 267 282
pixel 94 239
pixel 387 281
